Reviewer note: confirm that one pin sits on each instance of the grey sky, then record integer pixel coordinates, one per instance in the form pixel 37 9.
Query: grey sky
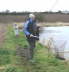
pixel 34 5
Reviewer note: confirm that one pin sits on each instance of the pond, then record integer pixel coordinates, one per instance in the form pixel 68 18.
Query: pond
pixel 56 39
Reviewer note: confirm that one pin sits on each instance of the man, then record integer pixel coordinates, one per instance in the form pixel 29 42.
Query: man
pixel 30 28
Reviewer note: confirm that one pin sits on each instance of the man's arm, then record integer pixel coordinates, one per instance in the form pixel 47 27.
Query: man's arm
pixel 25 28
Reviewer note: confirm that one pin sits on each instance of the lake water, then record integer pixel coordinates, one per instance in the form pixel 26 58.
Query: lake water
pixel 57 39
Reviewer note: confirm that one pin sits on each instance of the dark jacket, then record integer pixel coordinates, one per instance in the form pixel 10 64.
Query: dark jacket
pixel 30 27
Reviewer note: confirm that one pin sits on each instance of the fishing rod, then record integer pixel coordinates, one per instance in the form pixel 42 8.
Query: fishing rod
pixel 55 3
pixel 53 6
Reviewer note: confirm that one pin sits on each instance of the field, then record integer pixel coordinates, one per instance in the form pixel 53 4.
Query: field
pixel 11 62
pixel 51 17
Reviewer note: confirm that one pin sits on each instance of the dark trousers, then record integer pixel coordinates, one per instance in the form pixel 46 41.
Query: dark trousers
pixel 32 42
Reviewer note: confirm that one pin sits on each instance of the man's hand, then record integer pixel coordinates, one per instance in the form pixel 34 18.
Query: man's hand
pixel 31 35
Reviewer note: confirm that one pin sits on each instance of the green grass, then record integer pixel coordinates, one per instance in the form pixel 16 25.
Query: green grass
pixel 45 62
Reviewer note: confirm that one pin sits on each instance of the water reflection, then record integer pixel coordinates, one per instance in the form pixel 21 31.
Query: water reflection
pixel 57 38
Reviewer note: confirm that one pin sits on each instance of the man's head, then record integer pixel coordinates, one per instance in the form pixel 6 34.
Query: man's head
pixel 32 16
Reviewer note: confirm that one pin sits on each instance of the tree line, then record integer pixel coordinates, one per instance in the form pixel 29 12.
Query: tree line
pixel 7 12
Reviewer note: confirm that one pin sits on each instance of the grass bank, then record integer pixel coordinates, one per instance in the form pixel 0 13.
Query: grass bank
pixel 45 62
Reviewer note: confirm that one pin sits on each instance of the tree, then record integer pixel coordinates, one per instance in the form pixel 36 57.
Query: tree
pixel 7 11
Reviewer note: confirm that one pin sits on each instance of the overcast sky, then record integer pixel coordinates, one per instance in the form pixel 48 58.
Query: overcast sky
pixel 34 5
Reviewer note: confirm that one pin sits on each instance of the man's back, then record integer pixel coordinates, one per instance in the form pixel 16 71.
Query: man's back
pixel 30 27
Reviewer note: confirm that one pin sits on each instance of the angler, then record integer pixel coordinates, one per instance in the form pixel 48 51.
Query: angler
pixel 30 30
